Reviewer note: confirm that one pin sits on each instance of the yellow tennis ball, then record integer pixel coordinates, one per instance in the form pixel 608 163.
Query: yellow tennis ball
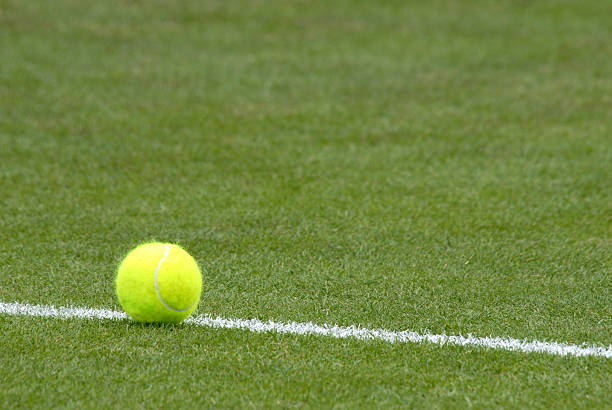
pixel 158 282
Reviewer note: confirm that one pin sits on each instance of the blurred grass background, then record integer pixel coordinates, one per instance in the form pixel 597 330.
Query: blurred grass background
pixel 440 166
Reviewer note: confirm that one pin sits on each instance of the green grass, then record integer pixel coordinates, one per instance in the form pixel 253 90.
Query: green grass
pixel 439 165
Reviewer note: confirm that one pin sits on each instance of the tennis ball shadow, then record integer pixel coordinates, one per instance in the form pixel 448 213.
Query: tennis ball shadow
pixel 149 325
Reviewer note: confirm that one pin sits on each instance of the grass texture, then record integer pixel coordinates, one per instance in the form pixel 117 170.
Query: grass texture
pixel 441 166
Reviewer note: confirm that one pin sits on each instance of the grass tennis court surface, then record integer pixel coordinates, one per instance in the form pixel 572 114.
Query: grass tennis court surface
pixel 442 167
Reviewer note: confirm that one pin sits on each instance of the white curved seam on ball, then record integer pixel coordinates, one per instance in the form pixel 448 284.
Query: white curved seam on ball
pixel 159 296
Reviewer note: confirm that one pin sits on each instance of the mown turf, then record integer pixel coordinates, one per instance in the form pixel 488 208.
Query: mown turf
pixel 93 364
pixel 439 165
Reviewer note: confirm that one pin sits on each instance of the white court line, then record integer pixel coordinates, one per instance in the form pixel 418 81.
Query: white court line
pixel 340 332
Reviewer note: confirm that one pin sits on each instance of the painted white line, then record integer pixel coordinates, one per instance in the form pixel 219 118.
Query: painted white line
pixel 340 332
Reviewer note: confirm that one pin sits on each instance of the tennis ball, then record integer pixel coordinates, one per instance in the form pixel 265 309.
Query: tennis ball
pixel 158 282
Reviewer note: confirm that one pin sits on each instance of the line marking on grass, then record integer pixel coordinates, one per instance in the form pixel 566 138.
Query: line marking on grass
pixel 339 332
